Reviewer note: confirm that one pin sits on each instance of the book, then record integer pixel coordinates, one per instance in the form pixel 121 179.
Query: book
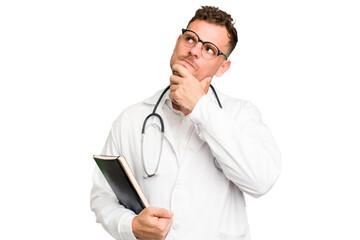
pixel 118 174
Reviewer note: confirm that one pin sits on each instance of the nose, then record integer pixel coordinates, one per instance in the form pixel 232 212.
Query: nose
pixel 196 50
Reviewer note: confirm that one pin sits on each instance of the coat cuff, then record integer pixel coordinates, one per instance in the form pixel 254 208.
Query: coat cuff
pixel 201 112
pixel 125 226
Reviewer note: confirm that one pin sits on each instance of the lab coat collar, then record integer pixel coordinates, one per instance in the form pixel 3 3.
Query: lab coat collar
pixel 153 99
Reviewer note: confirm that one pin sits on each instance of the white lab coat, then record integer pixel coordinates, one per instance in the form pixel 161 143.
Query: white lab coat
pixel 230 152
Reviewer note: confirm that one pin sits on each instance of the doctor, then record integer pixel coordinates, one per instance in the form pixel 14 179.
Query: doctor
pixel 215 147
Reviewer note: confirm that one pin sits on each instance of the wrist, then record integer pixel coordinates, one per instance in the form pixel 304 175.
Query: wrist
pixel 125 226
pixel 135 226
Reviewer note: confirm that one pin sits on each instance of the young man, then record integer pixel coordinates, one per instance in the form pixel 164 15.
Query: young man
pixel 215 148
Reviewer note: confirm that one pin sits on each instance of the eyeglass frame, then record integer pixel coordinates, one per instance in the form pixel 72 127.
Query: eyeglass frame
pixel 199 40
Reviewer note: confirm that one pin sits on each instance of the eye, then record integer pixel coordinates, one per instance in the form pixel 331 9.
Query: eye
pixel 210 49
pixel 189 39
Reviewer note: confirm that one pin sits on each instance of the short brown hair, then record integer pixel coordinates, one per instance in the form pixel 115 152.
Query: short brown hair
pixel 218 17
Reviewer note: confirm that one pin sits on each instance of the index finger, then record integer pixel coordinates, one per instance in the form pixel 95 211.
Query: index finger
pixel 161 212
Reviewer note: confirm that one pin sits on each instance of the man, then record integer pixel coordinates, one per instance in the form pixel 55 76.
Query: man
pixel 213 151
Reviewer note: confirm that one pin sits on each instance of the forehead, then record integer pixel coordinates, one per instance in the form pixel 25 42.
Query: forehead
pixel 210 32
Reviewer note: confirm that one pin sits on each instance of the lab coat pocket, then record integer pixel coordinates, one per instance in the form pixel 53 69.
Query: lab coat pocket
pixel 241 234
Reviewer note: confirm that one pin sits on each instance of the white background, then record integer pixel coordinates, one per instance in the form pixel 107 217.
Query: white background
pixel 68 68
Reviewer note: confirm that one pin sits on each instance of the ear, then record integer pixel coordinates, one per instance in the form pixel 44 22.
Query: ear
pixel 223 68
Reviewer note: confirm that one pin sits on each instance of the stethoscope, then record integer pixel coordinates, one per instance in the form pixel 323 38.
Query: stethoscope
pixel 154 114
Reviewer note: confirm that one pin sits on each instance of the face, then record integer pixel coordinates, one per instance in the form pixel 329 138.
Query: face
pixel 192 59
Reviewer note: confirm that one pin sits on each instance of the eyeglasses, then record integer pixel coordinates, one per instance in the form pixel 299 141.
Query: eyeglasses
pixel 209 50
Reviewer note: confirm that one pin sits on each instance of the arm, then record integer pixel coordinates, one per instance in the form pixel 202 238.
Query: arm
pixel 239 140
pixel 119 222
pixel 114 218
pixel 241 143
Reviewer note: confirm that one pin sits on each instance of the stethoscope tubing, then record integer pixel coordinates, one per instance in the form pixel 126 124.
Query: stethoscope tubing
pixel 162 129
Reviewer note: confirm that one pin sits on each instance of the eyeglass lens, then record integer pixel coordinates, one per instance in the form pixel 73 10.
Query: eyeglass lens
pixel 208 50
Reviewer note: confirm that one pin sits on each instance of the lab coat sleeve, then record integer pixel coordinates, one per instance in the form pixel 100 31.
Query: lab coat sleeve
pixel 240 142
pixel 114 218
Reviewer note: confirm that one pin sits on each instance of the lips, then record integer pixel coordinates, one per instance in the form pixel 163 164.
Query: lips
pixel 187 61
pixel 188 64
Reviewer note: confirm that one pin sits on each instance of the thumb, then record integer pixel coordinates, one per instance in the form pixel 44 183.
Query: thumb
pixel 205 83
